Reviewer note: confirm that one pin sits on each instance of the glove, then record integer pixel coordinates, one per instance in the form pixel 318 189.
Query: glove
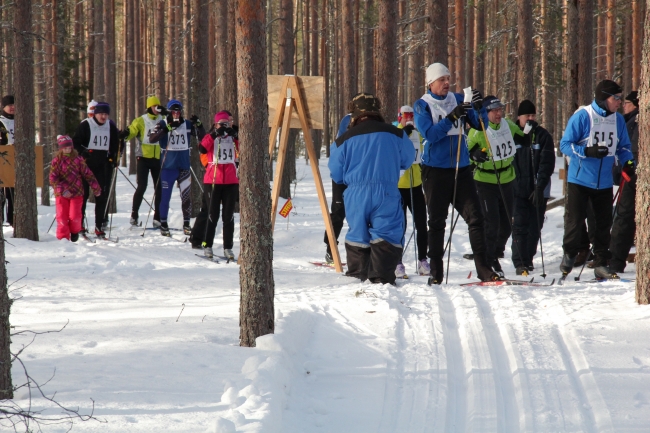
pixel 162 110
pixel 174 124
pixel 235 131
pixel 532 124
pixel 537 197
pixel 479 155
pixel 202 150
pixel 221 131
pixel 596 151
pixel 629 169
pixel 457 113
pixel 409 129
pixel 124 134
pixel 477 99
pixel 230 131
pixel 195 120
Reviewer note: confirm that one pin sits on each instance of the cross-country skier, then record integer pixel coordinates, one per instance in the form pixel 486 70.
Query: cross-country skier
pixel 593 136
pixel 174 134
pixel 221 182
pixel 147 156
pixel 368 158
pixel 96 139
pixel 440 116
pixel 7 138
pixel 67 175
pixel 410 185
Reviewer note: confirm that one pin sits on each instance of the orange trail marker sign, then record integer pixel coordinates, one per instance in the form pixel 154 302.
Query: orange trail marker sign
pixel 286 208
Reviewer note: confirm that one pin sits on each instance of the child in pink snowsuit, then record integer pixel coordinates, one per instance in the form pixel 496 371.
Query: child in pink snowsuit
pixel 67 173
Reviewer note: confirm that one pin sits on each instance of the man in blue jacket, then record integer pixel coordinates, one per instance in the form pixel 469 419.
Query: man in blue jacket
pixel 593 136
pixel 368 158
pixel 440 116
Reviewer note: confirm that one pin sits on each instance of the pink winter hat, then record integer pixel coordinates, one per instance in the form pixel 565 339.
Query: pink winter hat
pixel 222 115
pixel 63 141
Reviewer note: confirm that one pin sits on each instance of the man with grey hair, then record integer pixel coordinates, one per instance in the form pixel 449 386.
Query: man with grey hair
pixel 440 117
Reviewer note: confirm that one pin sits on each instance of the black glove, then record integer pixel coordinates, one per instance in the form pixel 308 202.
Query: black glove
pixel 457 113
pixel 235 131
pixel 596 151
pixel 532 124
pixel 202 150
pixel 175 123
pixel 478 155
pixel 230 131
pixel 629 169
pixel 123 134
pixel 537 197
pixel 162 110
pixel 195 120
pixel 477 99
pixel 221 131
pixel 409 129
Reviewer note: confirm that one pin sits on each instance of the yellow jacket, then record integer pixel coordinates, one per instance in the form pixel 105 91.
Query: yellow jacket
pixel 405 180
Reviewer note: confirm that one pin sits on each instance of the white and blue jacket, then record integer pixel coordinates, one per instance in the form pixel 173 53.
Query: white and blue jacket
pixel 595 173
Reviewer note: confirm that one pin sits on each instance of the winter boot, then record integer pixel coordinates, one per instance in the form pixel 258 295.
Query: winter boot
pixel 497 268
pixel 74 237
pixel 134 219
pixel 522 270
pixel 228 254
pixel 424 268
pixel 400 271
pixel 493 277
pixel 207 251
pixel 187 228
pixel 100 233
pixel 437 272
pixel 164 229
pixel 567 263
pixel 604 273
pixel 156 224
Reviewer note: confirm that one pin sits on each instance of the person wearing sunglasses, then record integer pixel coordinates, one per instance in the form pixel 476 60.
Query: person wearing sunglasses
pixel 594 136
pixel 174 134
pixel 147 155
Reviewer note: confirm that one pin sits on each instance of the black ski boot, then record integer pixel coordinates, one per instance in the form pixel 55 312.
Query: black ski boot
pixel 164 229
pixel 328 258
pixel 437 272
pixel 567 264
pixel 604 273
pixel 522 270
pixel 187 228
pixel 497 268
pixel 74 237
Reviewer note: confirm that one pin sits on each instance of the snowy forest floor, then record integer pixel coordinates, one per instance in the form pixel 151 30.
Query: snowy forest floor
pixel 153 335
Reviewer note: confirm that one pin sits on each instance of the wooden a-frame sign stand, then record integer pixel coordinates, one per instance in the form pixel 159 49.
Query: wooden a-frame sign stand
pixel 291 97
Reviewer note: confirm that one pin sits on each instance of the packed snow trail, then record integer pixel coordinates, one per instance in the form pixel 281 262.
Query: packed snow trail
pixel 346 356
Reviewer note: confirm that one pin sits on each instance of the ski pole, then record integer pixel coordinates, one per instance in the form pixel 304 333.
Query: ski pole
pixel 155 189
pixel 539 226
pixel 453 200
pixel 196 179
pixel 452 229
pixel 129 180
pixel 407 245
pixel 48 230
pixel 415 242
pixel 112 188
pixel 215 165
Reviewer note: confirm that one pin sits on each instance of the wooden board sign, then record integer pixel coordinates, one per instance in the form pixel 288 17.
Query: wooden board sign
pixel 312 89
pixel 7 173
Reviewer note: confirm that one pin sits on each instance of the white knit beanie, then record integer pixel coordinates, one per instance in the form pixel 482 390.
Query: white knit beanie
pixel 406 109
pixel 91 107
pixel 435 71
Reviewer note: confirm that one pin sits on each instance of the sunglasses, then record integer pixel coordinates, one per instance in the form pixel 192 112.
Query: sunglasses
pixel 616 97
pixel 226 124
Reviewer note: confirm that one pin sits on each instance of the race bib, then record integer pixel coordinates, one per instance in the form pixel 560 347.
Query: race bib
pixel 224 150
pixel 178 139
pixel 149 126
pixel 415 139
pixel 99 135
pixel 502 144
pixel 440 110
pixel 603 131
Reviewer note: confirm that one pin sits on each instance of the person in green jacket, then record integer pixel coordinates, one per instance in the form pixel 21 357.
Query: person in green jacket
pixel 147 155
pixel 410 186
pixel 493 165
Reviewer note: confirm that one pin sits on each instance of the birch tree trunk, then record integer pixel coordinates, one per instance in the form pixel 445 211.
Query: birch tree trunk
pixel 256 272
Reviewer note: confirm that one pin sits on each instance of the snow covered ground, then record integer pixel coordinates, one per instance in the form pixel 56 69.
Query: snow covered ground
pixel 153 334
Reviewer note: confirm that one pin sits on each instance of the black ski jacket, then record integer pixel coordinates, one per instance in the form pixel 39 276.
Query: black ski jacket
pixel 95 157
pixel 533 161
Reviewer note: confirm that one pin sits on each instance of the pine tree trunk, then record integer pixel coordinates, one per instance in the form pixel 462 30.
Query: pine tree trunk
pixel 438 32
pixel 348 56
pixel 585 50
pixel 25 211
pixel 525 56
pixel 186 56
pixel 572 59
pixel 131 92
pixel 637 41
pixel 642 259
pixel 611 38
pixel 317 135
pixel 256 271
pixel 368 57
pixel 287 52
pixel 479 38
pixel 6 385
pixel 416 60
pixel 160 50
pixel 230 71
pixel 386 55
pixel 98 38
pixel 459 45
pixel 41 96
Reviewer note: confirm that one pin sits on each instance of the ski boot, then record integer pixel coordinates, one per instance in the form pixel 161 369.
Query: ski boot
pixel 228 254
pixel 164 229
pixel 134 219
pixel 100 233
pixel 424 268
pixel 328 258
pixel 522 270
pixel 400 272
pixel 187 228
pixel 207 251
pixel 156 224
pixel 604 273
pixel 74 237
pixel 497 268
pixel 493 277
pixel 567 264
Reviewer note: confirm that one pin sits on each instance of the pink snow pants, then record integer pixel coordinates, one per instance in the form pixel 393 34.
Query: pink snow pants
pixel 68 216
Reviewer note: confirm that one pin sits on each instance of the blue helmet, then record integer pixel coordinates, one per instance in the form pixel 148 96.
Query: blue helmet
pixel 174 103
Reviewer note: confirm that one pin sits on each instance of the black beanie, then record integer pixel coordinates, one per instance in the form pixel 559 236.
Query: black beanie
pixel 102 107
pixel 526 107
pixel 607 88
pixel 7 100
pixel 633 97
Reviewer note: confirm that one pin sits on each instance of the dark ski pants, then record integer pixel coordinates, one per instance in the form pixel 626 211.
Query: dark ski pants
pixel 439 190
pixel 376 263
pixel 496 209
pixel 9 198
pixel 419 213
pixel 575 212
pixel 226 195
pixel 528 221
pixel 624 227
pixel 144 167
pixel 103 173
pixel 337 212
